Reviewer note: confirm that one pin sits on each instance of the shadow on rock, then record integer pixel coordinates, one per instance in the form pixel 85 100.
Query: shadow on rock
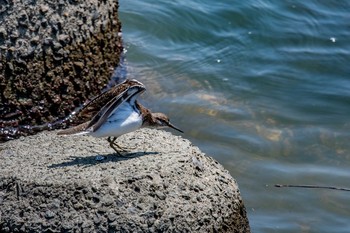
pixel 87 161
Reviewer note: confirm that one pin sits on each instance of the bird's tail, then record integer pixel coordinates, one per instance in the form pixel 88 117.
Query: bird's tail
pixel 76 130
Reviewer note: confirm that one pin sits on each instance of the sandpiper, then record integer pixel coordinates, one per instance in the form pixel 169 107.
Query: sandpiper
pixel 116 112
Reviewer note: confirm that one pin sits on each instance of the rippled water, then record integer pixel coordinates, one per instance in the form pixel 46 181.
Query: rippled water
pixel 261 86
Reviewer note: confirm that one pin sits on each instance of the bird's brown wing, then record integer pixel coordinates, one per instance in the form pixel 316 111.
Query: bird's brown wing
pixel 90 109
pixel 107 110
pixel 97 111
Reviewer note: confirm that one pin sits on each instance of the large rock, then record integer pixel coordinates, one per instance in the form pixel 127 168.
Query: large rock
pixel 51 183
pixel 54 55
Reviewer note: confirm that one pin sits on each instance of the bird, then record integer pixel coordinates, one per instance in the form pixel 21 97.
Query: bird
pixel 116 112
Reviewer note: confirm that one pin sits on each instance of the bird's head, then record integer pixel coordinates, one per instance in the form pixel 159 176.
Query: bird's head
pixel 160 120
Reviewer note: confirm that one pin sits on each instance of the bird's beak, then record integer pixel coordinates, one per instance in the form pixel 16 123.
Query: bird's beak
pixel 174 127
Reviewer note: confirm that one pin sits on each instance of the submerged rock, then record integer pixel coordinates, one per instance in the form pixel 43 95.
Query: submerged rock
pixel 164 184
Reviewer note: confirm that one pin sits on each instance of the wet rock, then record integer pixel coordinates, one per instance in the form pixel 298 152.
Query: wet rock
pixel 164 184
pixel 54 55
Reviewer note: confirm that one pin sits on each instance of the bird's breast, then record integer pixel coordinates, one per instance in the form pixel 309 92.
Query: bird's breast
pixel 122 121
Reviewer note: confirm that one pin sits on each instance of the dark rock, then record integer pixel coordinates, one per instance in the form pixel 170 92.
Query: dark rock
pixel 53 182
pixel 53 57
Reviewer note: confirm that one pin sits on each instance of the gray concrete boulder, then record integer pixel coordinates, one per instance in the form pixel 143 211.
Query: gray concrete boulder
pixel 51 183
pixel 54 55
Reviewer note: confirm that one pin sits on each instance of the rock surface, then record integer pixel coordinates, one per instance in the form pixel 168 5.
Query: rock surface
pixel 51 183
pixel 54 55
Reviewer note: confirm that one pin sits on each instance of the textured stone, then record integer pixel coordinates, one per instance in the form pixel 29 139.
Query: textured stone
pixel 54 55
pixel 165 184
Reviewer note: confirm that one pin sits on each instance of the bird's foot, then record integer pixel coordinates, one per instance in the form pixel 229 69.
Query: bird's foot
pixel 116 147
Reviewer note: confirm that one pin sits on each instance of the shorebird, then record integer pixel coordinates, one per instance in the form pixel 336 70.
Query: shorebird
pixel 117 112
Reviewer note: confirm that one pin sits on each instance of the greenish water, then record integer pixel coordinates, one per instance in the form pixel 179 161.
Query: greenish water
pixel 261 86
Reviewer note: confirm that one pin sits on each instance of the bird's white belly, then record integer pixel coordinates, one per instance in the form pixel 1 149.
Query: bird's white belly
pixel 126 120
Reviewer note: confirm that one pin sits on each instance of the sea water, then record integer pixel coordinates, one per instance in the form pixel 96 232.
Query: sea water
pixel 264 88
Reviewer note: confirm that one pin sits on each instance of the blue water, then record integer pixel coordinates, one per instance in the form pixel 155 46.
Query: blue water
pixel 261 86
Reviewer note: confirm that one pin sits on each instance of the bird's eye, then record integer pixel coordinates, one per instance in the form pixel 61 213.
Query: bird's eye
pixel 161 122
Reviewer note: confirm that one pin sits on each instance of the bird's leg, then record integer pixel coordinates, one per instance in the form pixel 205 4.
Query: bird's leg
pixel 113 144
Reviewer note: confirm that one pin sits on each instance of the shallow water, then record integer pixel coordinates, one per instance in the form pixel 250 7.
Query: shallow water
pixel 261 86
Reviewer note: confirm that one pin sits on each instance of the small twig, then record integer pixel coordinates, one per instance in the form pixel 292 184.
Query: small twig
pixel 310 186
